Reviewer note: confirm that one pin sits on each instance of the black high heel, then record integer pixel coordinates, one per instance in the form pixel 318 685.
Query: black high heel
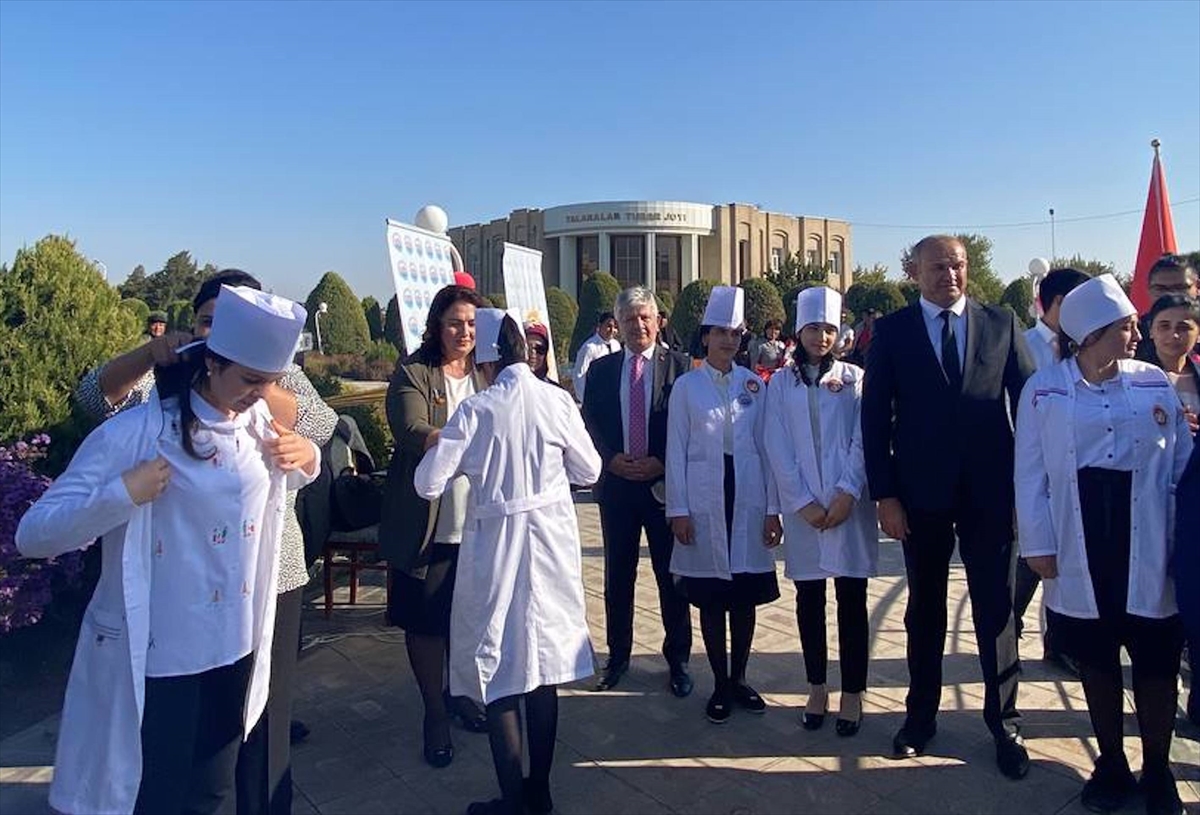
pixel 437 756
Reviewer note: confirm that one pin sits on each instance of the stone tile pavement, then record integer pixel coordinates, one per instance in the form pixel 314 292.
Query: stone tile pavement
pixel 638 749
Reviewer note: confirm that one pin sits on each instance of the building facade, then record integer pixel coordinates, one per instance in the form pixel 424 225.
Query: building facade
pixel 663 245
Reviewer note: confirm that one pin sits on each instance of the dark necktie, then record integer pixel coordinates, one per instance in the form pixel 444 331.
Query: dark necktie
pixel 950 361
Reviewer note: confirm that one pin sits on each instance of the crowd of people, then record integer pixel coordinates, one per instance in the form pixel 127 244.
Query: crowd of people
pixel 1081 428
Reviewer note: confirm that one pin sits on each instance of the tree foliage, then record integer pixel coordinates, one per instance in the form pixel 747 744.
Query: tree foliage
pixel 181 315
pixel 763 303
pixel 497 299
pixel 393 327
pixel 689 309
pixel 983 284
pixel 178 279
pixel 1091 267
pixel 875 274
pixel 57 319
pixel 597 295
pixel 795 274
pixel 137 308
pixel 374 317
pixel 1018 295
pixel 884 297
pixel 665 300
pixel 563 314
pixel 343 328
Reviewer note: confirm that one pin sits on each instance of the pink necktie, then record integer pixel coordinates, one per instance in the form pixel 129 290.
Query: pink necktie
pixel 637 408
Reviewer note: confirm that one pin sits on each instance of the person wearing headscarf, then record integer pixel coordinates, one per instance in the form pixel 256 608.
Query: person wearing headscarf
pixel 518 624
pixel 537 342
pixel 814 444
pixel 722 554
pixel 1101 443
pixel 174 656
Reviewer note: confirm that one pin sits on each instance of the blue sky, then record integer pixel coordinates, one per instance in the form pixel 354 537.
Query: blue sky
pixel 278 136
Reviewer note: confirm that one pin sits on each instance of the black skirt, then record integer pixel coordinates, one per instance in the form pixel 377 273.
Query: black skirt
pixel 1104 504
pixel 423 606
pixel 746 588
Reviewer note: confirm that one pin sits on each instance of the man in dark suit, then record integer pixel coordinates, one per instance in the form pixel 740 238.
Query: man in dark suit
pixel 625 409
pixel 939 400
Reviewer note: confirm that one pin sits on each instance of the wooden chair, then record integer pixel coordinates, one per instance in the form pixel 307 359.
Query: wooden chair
pixel 353 545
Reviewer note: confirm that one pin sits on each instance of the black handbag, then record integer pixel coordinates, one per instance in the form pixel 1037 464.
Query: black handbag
pixel 357 500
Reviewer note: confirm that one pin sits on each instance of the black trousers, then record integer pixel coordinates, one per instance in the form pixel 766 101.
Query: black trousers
pixel 628 508
pixel 264 766
pixel 985 541
pixel 853 630
pixel 191 731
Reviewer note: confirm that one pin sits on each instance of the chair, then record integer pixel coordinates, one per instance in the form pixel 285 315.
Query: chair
pixel 352 545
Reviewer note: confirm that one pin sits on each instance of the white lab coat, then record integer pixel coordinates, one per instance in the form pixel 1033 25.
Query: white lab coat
pixel 98 763
pixel 696 475
pixel 850 549
pixel 592 349
pixel 1049 521
pixel 518 618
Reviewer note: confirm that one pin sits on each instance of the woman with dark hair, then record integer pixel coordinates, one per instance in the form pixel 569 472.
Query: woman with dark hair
pixel 518 625
pixel 174 654
pixel 264 765
pixel 420 538
pixel 1174 322
pixel 1101 443
pixel 721 501
pixel 768 354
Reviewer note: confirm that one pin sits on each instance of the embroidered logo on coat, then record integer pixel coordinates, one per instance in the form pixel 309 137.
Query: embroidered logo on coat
pixel 834 385
pixel 219 535
pixel 753 385
pixel 1160 415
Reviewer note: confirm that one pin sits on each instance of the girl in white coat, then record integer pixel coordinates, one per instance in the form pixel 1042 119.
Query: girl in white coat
pixel 1101 443
pixel 722 548
pixel 518 626
pixel 173 660
pixel 814 443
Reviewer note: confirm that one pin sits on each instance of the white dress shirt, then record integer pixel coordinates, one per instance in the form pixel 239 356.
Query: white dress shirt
pixel 592 349
pixel 1042 342
pixel 647 383
pixel 721 380
pixel 1105 424
pixel 933 325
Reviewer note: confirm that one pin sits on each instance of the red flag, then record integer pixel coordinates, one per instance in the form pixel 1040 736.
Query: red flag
pixel 1158 234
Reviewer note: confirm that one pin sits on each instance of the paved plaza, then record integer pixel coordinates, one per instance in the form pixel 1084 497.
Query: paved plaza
pixel 638 749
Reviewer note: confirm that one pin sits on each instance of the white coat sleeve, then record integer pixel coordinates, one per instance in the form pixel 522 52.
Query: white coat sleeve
pixel 87 500
pixel 854 471
pixel 760 439
pixel 580 458
pixel 583 360
pixel 678 422
pixel 298 478
pixel 794 494
pixel 443 461
pixel 1035 530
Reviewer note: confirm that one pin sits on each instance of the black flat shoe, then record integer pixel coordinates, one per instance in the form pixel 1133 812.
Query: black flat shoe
pixel 1012 758
pixel 439 757
pixel 748 699
pixel 496 806
pixel 611 676
pixel 1110 787
pixel 718 709
pixel 847 728
pixel 910 744
pixel 437 753
pixel 681 683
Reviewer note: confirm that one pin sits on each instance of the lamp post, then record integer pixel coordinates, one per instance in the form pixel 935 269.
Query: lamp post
pixel 1053 248
pixel 323 308
pixel 433 218
pixel 1038 269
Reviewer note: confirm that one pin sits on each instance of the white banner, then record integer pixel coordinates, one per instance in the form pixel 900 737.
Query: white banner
pixel 525 291
pixel 421 266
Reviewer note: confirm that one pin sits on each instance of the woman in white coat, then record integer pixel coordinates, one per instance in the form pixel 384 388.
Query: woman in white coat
pixel 814 443
pixel 1101 443
pixel 518 626
pixel 722 552
pixel 173 660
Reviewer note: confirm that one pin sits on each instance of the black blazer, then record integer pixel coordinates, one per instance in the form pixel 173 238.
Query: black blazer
pixel 931 447
pixel 602 407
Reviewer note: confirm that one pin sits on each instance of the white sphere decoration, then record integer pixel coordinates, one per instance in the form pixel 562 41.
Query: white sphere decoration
pixel 433 218
pixel 1038 267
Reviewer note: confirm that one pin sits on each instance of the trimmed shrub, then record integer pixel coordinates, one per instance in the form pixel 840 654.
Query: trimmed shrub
pixel 763 304
pixel 689 309
pixel 375 432
pixel 597 295
pixel 497 299
pixel 885 297
pixel 344 327
pixel 666 302
pixel 564 312
pixel 181 315
pixel 393 329
pixel 57 319
pixel 1018 295
pixel 374 315
pixel 137 308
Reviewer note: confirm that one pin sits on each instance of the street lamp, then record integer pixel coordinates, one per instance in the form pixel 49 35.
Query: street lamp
pixel 433 218
pixel 1038 269
pixel 101 268
pixel 323 308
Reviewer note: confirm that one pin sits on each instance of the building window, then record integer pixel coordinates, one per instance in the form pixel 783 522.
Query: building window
pixel 629 259
pixel 587 258
pixel 812 252
pixel 743 261
pixel 776 258
pixel 835 263
pixel 668 251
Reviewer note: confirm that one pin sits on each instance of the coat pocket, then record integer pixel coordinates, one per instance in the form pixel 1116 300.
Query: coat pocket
pixel 103 625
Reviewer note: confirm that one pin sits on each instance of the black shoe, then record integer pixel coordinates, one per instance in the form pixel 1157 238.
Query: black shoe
pixel 908 743
pixel 681 682
pixel 537 801
pixel 297 731
pixel 467 713
pixel 847 728
pixel 748 698
pixel 611 676
pixel 496 806
pixel 439 757
pixel 1160 792
pixel 718 709
pixel 1011 757
pixel 1110 786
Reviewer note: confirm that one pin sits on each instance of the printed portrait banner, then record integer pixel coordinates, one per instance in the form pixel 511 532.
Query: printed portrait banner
pixel 525 291
pixel 421 265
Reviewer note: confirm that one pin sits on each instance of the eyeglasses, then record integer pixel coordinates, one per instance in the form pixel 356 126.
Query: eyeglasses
pixel 540 350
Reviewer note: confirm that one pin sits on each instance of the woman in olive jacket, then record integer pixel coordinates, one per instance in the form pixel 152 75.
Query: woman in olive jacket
pixel 420 538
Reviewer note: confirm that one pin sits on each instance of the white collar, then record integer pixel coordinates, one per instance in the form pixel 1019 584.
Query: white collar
pixel 209 416
pixel 1076 375
pixel 716 375
pixel 648 354
pixel 1044 331
pixel 934 312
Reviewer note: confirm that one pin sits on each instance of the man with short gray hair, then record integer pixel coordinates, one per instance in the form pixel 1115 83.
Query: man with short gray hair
pixel 625 410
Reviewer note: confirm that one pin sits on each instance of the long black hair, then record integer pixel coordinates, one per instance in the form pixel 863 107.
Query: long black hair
pixel 178 381
pixel 800 362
